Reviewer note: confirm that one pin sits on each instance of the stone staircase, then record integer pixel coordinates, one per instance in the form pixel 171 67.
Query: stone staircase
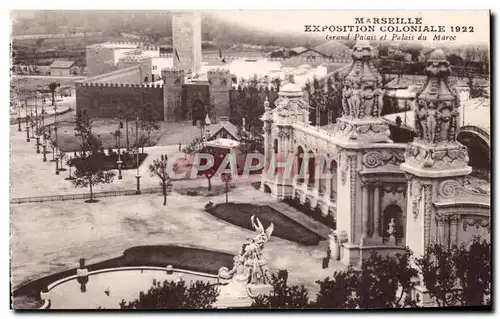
pixel 301 218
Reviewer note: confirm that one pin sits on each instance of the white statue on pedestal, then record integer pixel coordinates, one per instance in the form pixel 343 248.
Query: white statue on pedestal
pixel 249 266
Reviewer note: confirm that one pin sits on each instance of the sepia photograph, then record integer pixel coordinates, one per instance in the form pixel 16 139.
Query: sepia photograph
pixel 250 159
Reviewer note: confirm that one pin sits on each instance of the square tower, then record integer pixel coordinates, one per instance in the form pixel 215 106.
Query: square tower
pixel 186 40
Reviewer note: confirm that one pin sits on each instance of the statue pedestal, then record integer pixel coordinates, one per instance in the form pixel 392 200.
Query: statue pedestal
pixel 233 295
pixel 436 160
pixel 365 130
pixel 256 290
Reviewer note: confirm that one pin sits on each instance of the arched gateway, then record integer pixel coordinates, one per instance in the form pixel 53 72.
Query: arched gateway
pixel 362 177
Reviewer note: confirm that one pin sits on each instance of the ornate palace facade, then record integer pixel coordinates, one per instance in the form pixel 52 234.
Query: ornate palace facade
pixel 383 195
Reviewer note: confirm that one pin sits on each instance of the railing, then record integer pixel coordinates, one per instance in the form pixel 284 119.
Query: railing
pixel 60 198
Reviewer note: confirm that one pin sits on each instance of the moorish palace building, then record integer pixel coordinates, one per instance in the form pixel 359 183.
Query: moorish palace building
pixel 127 77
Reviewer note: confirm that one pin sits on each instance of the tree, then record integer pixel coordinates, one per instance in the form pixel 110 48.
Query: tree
pixel 159 169
pixel 382 282
pixel 283 296
pixel 52 88
pixel 212 169
pixel 141 142
pixel 53 146
pixel 437 270
pixel 457 276
pixel 318 100
pixel 89 174
pixel 334 96
pixel 385 281
pixel 192 147
pixel 338 292
pixel 455 59
pixel 172 295
pixel 227 178
pixel 473 271
pixel 149 122
pixel 252 109
pixel 276 82
pixel 475 90
pixel 250 143
pixel 83 130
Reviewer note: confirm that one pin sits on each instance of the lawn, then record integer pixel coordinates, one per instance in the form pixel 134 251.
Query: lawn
pixel 168 134
pixel 109 162
pixel 284 227
pixel 103 129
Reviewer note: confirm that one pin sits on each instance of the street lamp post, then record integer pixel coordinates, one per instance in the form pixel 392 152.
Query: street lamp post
pixel 55 123
pixel 44 146
pixel 57 165
pixel 119 162
pixel 18 117
pixel 32 121
pixel 43 124
pixel 27 130
pixel 126 129
pixel 37 143
pixel 32 124
pixel 137 176
pixel 69 178
pixel 61 157
pixel 36 114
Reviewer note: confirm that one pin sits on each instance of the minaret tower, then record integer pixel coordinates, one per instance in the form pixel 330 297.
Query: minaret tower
pixel 363 141
pixel 186 41
pixel 435 157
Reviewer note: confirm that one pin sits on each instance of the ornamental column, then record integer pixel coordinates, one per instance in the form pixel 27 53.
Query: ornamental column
pixel 267 119
pixel 440 219
pixel 365 210
pixel 376 210
pixel 454 219
pixel 328 186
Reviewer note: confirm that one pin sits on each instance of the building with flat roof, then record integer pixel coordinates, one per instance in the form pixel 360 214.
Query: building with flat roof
pixel 62 68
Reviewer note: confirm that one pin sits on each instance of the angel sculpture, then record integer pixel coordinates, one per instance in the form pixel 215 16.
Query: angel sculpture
pixel 249 265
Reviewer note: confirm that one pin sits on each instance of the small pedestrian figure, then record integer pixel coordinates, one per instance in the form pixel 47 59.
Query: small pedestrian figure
pixel 179 146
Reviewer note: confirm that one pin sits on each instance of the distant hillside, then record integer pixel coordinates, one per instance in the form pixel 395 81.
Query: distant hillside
pixel 152 24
